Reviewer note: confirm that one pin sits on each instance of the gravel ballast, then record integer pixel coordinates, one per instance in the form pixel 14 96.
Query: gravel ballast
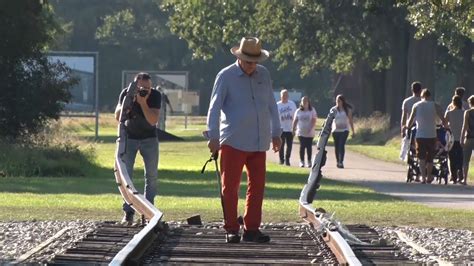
pixel 18 238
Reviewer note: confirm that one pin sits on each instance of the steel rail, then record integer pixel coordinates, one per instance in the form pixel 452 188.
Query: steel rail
pixel 131 253
pixel 314 217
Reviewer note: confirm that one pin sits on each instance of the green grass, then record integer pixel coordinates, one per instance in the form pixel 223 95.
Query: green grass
pixel 184 191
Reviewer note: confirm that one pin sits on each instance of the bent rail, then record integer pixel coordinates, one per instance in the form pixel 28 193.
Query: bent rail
pixel 333 238
pixel 133 250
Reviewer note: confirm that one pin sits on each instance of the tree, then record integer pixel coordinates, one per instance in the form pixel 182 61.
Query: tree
pixel 369 41
pixel 450 24
pixel 33 90
pixel 312 35
pixel 316 34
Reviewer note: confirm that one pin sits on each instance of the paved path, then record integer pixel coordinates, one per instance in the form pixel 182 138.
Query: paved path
pixel 389 178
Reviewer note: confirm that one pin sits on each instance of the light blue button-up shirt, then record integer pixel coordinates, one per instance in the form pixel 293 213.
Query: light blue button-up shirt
pixel 243 113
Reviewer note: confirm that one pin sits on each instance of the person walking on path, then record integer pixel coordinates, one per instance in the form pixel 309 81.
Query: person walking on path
pixel 424 113
pixel 459 91
pixel 340 128
pixel 408 103
pixel 467 138
pixel 242 121
pixel 286 109
pixel 303 125
pixel 455 118
pixel 142 136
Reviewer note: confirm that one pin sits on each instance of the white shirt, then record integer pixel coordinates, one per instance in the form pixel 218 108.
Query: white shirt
pixel 303 126
pixel 408 103
pixel 455 118
pixel 341 121
pixel 425 118
pixel 287 112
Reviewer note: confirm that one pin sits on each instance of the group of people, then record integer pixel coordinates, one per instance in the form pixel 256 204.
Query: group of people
pixel 298 122
pixel 244 120
pixel 301 122
pixel 458 118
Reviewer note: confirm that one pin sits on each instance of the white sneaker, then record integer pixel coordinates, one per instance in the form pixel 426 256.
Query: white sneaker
pixel 309 164
pixel 301 164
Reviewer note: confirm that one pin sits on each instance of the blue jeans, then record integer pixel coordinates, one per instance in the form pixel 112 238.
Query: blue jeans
pixel 149 149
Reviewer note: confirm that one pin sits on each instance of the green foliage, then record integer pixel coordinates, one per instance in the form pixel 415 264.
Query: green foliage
pixel 23 27
pixel 33 89
pixel 140 28
pixel 118 24
pixel 451 22
pixel 37 161
pixel 317 35
pixel 49 153
pixel 334 34
pixel 208 27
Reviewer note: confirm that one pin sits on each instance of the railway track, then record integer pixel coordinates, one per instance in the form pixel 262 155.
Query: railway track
pixel 291 244
pixel 321 240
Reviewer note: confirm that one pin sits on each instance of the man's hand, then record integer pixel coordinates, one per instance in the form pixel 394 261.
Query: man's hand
pixel 142 100
pixel 402 131
pixel 276 143
pixel 213 145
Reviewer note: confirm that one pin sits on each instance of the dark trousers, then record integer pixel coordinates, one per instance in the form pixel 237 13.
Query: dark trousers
pixel 455 161
pixel 305 144
pixel 286 138
pixel 340 139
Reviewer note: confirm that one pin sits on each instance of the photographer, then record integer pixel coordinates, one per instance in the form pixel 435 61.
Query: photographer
pixel 142 136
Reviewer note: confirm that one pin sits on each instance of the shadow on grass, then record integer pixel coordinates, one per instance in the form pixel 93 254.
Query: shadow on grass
pixel 182 183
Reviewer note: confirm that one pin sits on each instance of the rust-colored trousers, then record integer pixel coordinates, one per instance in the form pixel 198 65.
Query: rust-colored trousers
pixel 232 163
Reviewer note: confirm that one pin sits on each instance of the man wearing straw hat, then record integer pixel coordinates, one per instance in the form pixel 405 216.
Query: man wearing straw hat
pixel 242 121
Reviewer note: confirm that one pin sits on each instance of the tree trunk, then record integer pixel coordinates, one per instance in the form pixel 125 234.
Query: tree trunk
pixel 421 62
pixel 396 76
pixel 465 76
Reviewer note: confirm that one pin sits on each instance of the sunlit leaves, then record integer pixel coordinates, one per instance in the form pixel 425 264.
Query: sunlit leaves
pixel 208 26
pixel 116 26
pixel 451 22
pixel 318 34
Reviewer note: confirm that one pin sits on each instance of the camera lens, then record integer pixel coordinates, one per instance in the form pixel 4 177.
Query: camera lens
pixel 143 92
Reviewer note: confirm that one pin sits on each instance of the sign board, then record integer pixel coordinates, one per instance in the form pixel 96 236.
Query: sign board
pixel 84 67
pixel 85 94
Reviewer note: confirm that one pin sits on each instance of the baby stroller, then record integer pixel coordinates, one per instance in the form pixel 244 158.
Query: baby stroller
pixel 440 161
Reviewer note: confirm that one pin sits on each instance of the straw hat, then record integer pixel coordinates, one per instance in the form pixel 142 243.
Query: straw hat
pixel 250 49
